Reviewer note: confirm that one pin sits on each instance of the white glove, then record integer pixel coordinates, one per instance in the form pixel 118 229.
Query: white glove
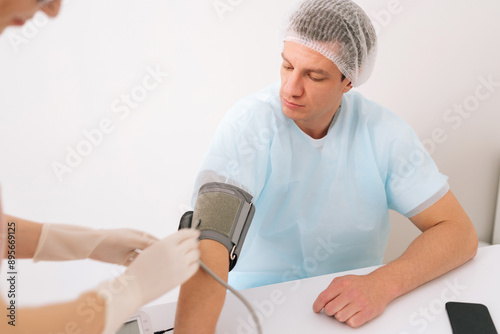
pixel 161 267
pixel 60 242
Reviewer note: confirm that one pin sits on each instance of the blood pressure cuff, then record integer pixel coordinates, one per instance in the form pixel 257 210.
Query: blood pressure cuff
pixel 222 213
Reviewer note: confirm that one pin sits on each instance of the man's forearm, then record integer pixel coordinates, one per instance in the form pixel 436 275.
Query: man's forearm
pixel 201 298
pixel 435 252
pixel 448 240
pixel 27 235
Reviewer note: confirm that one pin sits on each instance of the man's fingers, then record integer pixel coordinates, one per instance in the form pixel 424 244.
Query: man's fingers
pixel 325 297
pixel 347 312
pixel 336 305
pixel 357 320
pixel 354 300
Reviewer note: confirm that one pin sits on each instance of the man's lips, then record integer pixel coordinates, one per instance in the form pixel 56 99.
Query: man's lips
pixel 291 104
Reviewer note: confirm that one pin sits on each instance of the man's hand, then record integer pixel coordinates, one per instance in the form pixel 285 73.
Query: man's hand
pixel 354 300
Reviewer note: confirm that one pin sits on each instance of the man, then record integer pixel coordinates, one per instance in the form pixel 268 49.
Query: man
pixel 324 165
pixel 104 309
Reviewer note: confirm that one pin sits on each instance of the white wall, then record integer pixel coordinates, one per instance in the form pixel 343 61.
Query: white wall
pixel 61 78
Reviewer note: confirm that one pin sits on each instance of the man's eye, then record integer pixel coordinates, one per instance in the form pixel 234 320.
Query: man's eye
pixel 315 79
pixel 286 67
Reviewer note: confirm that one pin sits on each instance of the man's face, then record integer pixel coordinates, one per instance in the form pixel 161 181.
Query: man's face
pixel 311 88
pixel 17 12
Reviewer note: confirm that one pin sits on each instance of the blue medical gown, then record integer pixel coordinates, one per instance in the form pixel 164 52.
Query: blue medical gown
pixel 318 211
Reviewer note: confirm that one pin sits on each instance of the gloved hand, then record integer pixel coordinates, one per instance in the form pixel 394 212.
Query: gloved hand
pixel 60 242
pixel 161 267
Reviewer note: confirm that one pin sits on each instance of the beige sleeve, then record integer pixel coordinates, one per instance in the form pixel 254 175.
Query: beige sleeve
pixel 83 315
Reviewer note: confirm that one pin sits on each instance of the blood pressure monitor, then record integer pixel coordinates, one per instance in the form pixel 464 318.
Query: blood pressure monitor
pixel 138 323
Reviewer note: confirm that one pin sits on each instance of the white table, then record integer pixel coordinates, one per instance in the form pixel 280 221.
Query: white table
pixel 287 307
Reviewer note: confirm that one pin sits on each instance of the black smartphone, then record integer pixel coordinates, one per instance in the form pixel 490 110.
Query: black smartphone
pixel 468 318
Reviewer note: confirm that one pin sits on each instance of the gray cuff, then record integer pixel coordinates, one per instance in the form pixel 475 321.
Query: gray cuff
pixel 428 203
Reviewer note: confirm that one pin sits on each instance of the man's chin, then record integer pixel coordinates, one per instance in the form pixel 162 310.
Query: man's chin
pixel 292 114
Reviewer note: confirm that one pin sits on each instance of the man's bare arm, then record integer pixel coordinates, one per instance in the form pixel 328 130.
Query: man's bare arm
pixel 448 240
pixel 201 298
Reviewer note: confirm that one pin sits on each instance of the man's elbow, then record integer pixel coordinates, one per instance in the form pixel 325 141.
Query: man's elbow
pixel 471 242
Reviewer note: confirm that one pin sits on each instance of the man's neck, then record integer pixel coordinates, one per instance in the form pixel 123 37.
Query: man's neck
pixel 313 132
pixel 317 129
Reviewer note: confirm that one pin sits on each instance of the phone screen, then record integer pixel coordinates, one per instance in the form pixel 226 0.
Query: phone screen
pixel 468 318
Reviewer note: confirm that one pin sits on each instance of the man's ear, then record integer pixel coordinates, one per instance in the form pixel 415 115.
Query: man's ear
pixel 347 87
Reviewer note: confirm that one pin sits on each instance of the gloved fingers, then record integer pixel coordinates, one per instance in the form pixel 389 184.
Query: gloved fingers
pixel 187 245
pixel 191 269
pixel 131 257
pixel 184 235
pixel 121 245
pixel 178 245
pixel 192 256
pixel 151 239
pixel 134 239
pixel 140 242
pixel 190 265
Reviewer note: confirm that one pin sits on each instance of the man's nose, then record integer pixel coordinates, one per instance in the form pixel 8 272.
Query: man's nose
pixel 294 85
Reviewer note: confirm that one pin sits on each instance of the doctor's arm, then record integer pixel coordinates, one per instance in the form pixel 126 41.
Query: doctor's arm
pixel 448 240
pixel 83 315
pixel 62 242
pixel 106 308
pixel 27 234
